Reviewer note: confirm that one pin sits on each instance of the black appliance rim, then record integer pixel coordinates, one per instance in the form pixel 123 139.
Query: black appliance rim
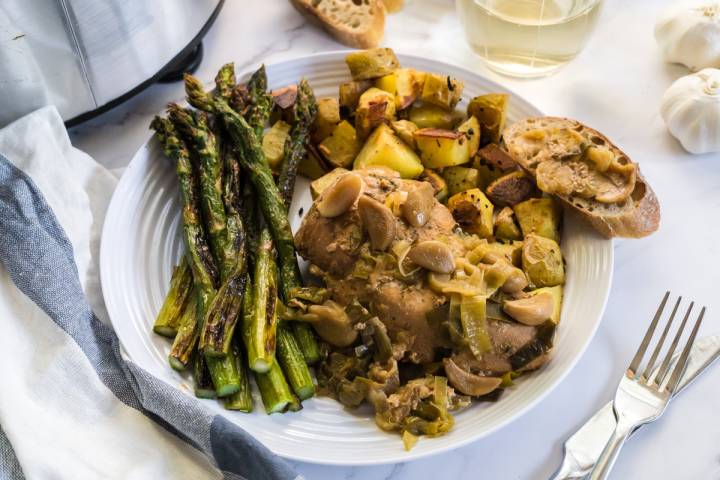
pixel 84 117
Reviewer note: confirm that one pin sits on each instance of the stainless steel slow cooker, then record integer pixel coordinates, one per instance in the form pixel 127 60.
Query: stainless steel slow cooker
pixel 85 56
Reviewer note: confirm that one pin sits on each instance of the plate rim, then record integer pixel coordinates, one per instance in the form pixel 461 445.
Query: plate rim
pixel 391 458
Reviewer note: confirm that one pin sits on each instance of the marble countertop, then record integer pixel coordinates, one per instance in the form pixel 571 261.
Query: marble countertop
pixel 615 85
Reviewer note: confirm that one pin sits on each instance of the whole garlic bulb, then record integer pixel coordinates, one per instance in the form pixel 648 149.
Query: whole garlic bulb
pixel 691 110
pixel 690 35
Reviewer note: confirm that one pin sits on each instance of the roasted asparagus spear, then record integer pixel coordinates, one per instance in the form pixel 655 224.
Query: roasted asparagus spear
pixel 260 324
pixel 204 269
pixel 304 112
pixel 193 126
pixel 242 399
pixel 258 105
pixel 292 362
pixel 273 386
pixel 223 314
pixel 201 375
pixel 225 81
pixel 201 262
pixel 186 338
pixel 225 374
pixel 260 307
pixel 274 390
pixel 224 311
pixel 176 300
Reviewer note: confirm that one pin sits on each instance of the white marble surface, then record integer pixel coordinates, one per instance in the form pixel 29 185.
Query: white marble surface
pixel 614 85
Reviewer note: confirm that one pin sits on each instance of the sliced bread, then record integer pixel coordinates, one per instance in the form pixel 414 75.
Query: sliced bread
pixel 534 141
pixel 393 6
pixel 356 23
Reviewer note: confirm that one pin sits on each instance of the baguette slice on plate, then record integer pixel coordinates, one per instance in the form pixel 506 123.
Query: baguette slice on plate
pixel 356 23
pixel 587 172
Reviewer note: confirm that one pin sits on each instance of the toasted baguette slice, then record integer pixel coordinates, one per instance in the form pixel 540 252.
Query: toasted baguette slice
pixel 356 23
pixel 637 216
pixel 393 6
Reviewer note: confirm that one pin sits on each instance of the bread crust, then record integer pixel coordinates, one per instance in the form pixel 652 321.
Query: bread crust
pixel 369 37
pixel 638 219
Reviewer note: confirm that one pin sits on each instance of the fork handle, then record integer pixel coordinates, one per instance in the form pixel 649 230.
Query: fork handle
pixel 607 459
pixel 570 469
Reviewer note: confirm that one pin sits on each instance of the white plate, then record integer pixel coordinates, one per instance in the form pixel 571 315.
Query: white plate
pixel 141 242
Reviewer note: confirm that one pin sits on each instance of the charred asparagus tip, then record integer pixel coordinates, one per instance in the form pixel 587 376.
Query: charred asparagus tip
pixel 225 80
pixel 196 94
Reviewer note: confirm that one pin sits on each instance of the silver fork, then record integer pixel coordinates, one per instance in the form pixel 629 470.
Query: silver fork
pixel 641 399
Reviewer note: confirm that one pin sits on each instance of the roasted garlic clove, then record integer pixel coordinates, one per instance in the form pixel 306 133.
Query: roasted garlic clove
pixel 433 255
pixel 379 222
pixel 515 282
pixel 332 323
pixel 340 196
pixel 468 383
pixel 419 204
pixel 532 310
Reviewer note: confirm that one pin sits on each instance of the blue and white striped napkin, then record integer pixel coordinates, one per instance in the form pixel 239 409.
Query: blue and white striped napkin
pixel 71 407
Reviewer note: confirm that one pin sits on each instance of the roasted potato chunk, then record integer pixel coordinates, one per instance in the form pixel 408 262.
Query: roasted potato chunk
pixel 342 146
pixel 442 90
pixel 473 212
pixel 541 216
pixel 284 98
pixel 496 157
pixel 487 174
pixel 432 116
pixel 387 83
pixel 372 63
pixel 542 261
pixel 489 252
pixel 505 226
pixel 471 128
pixel 328 116
pixel 442 148
pixel 460 179
pixel 405 129
pixel 492 162
pixel 349 95
pixel 438 183
pixel 312 165
pixel 490 111
pixel 317 186
pixel 405 84
pixel 510 189
pixel 374 107
pixel 273 143
pixel 385 149
pixel 511 251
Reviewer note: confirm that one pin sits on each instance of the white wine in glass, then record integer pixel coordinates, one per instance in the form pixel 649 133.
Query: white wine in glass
pixel 528 38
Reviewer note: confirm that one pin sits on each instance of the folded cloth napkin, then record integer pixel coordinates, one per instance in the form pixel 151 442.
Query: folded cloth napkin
pixel 71 407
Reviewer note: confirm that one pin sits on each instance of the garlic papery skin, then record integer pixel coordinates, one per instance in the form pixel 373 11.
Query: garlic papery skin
pixel 691 110
pixel 690 35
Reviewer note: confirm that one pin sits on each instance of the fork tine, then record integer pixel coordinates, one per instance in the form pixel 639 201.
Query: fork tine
pixel 646 341
pixel 682 362
pixel 665 366
pixel 649 368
